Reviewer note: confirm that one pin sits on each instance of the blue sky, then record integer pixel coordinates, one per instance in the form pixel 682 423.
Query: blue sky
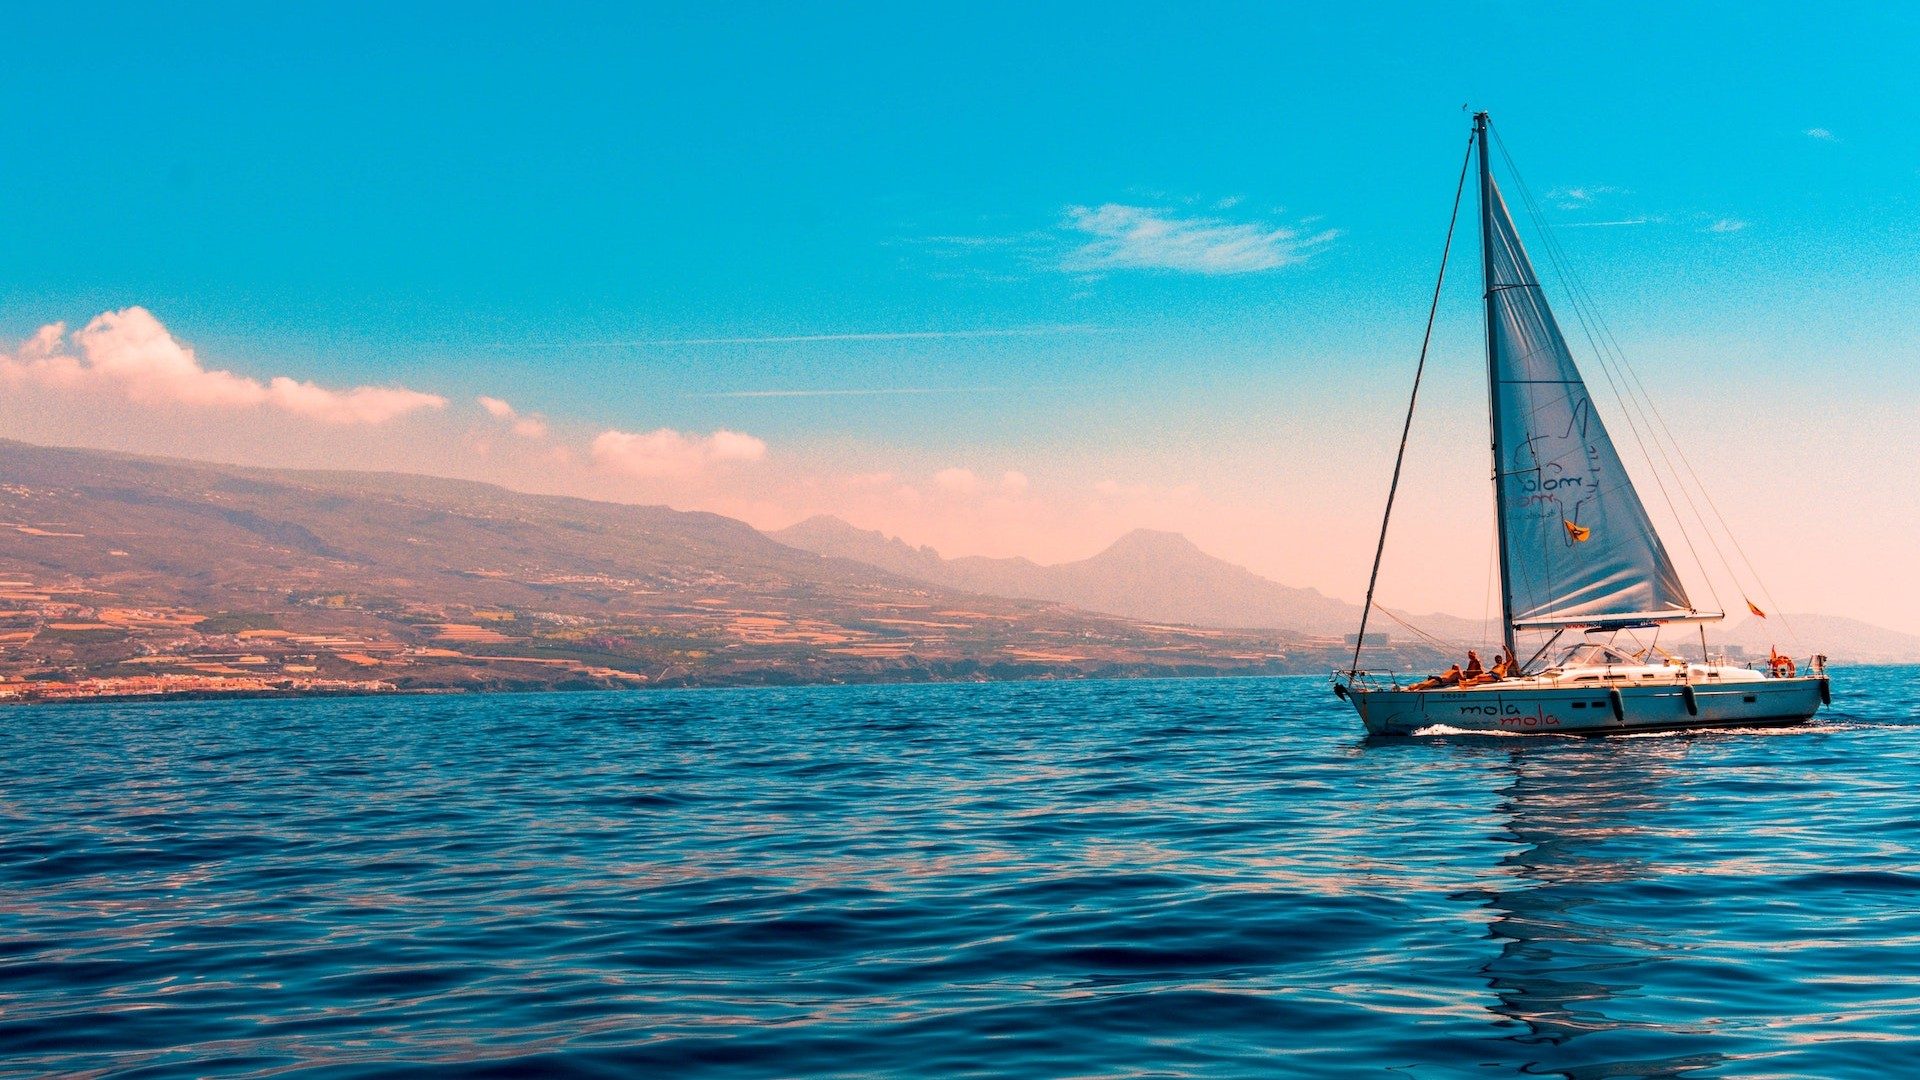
pixel 467 200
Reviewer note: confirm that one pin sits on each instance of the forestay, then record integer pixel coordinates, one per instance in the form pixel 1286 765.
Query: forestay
pixel 1580 548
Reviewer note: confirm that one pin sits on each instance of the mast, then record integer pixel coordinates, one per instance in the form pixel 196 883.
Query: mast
pixel 1493 386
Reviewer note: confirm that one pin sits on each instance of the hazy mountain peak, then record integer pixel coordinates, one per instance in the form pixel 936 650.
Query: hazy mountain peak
pixel 1148 574
pixel 835 538
pixel 1154 543
pixel 827 525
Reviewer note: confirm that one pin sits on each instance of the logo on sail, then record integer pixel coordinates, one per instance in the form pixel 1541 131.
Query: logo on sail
pixel 1579 534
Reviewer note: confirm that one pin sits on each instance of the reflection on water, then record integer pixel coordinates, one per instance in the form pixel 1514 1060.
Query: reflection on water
pixel 1178 878
pixel 1564 955
pixel 1663 897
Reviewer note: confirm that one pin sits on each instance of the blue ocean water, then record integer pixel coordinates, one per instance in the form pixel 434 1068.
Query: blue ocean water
pixel 1161 878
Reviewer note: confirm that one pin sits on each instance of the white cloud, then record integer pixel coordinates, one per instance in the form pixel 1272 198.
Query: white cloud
pixel 957 481
pixel 963 483
pixel 733 446
pixel 130 354
pixel 1727 225
pixel 1141 238
pixel 1584 196
pixel 527 426
pixel 667 453
pixel 1822 134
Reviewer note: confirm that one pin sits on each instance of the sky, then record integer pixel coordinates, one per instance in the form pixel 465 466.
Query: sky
pixel 995 280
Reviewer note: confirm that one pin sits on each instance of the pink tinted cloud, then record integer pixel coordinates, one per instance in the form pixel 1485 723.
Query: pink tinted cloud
pixel 525 425
pixel 966 483
pixel 666 453
pixel 957 481
pixel 130 354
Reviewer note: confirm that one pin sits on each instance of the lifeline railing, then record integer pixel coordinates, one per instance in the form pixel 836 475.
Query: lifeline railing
pixel 1367 680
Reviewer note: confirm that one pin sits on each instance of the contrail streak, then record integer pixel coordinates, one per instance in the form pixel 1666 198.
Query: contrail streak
pixel 805 339
pixel 876 391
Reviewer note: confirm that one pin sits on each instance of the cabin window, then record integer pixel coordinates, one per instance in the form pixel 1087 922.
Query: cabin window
pixel 1599 704
pixel 1579 704
pixel 1749 699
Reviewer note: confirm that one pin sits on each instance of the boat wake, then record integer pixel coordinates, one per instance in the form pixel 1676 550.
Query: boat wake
pixel 1794 729
pixel 1449 729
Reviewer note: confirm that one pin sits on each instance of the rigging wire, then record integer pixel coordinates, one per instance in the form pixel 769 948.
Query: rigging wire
pixel 1430 639
pixel 1486 603
pixel 1393 487
pixel 1706 495
pixel 1637 400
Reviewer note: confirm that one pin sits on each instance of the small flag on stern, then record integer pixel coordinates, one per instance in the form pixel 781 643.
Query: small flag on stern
pixel 1757 613
pixel 1579 533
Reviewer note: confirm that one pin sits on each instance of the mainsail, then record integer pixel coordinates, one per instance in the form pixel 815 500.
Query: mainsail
pixel 1578 546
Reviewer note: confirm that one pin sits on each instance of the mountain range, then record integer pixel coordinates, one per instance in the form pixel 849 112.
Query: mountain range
pixel 1146 574
pixel 1845 640
pixel 1163 577
pixel 139 570
pixel 116 566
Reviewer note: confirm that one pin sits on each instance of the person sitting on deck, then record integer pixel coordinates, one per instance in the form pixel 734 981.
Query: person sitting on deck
pixel 1500 669
pixel 1474 670
pixel 1450 677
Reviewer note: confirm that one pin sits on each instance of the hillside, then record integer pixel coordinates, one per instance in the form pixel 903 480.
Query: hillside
pixel 120 566
pixel 1844 640
pixel 1156 576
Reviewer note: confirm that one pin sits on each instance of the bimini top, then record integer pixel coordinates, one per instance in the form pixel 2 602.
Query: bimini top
pixel 1596 654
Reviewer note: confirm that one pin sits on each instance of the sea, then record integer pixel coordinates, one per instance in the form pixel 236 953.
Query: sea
pixel 1044 879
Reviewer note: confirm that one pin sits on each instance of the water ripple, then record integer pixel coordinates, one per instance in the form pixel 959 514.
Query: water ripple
pixel 1160 878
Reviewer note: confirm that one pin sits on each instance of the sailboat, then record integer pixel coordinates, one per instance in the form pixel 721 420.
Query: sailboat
pixel 1577 553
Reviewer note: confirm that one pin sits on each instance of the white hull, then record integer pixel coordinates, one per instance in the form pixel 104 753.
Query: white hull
pixel 1597 707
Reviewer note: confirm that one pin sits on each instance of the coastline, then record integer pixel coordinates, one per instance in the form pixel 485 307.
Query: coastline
pixel 68 694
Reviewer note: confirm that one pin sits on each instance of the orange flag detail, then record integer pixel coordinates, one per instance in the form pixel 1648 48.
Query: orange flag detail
pixel 1756 611
pixel 1579 533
